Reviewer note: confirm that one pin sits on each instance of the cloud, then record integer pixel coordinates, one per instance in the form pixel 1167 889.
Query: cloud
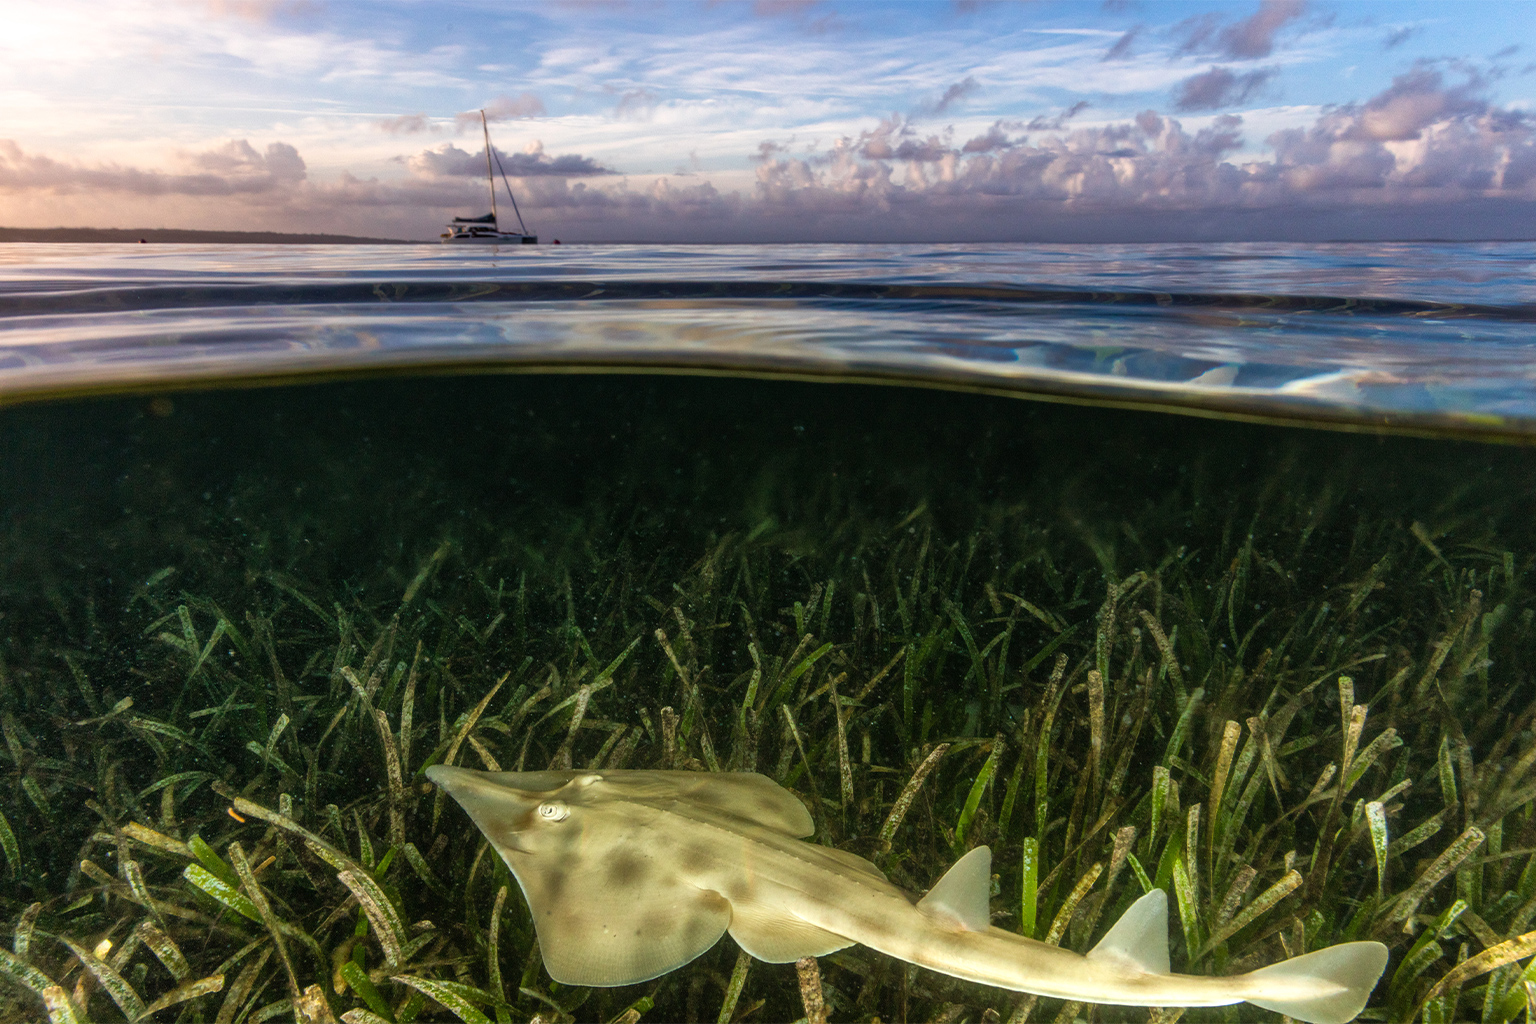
pixel 234 168
pixel 784 8
pixel 799 11
pixel 1416 100
pixel 406 124
pixel 1254 36
pixel 504 108
pixel 637 105
pixel 448 161
pixel 1055 124
pixel 768 149
pixel 1152 162
pixel 1249 39
pixel 1122 48
pixel 1430 154
pixel 895 139
pixel 1419 135
pixel 1420 147
pixel 954 94
pixel 1398 36
pixel 1219 87
pixel 996 138
pixel 259 11
pixel 1197 31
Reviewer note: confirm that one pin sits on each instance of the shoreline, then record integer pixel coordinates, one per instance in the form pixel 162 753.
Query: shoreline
pixel 180 235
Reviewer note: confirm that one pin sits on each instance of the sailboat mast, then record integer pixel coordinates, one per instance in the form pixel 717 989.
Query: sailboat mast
pixel 490 179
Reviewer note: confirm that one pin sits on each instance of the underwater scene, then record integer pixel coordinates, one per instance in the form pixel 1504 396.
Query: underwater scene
pixel 1281 674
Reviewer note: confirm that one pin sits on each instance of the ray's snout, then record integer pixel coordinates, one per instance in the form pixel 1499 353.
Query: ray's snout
pixel 495 808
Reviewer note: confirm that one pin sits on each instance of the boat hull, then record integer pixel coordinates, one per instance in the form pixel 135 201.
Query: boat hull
pixel 491 240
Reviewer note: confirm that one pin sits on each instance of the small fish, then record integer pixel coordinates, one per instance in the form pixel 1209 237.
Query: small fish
pixel 631 874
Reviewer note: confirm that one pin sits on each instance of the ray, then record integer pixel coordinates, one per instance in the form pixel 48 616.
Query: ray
pixel 631 874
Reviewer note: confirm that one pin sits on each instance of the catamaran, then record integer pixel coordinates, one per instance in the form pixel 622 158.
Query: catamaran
pixel 487 229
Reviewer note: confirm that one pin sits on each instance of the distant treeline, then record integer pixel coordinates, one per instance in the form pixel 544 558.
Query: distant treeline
pixel 136 235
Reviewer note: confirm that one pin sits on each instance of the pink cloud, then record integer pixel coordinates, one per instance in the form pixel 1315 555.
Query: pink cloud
pixel 1220 87
pixel 407 124
pixel 448 160
pixel 234 168
pixel 503 108
pixel 1422 148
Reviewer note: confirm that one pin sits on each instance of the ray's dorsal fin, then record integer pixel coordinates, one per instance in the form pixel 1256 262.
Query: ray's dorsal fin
pixel 1139 940
pixel 962 898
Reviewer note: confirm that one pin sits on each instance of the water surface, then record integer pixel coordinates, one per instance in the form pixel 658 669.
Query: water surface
pixel 1430 336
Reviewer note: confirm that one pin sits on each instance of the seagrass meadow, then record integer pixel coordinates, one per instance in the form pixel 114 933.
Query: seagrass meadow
pixel 1285 674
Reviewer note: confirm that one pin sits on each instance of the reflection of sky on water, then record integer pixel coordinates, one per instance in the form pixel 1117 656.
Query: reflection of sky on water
pixel 1414 366
pixel 1493 272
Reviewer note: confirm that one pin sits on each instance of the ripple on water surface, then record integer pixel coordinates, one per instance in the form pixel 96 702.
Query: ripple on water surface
pixel 1426 336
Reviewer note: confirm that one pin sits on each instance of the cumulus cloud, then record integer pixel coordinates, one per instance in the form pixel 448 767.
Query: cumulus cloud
pixel 1430 153
pixel 1152 158
pixel 234 168
pixel 1416 100
pixel 449 161
pixel 768 149
pixel 1424 151
pixel 1219 87
pixel 895 139
pixel 1422 141
pixel 1419 137
pixel 995 138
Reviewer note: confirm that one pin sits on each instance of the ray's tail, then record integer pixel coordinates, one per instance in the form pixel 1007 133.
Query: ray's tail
pixel 1130 965
pixel 1331 985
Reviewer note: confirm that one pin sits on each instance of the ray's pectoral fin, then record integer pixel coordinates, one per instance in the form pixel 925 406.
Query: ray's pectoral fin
pixel 1139 940
pixel 593 932
pixel 962 898
pixel 777 939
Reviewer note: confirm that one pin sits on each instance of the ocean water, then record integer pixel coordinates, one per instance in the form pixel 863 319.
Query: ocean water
pixel 919 533
pixel 1426 335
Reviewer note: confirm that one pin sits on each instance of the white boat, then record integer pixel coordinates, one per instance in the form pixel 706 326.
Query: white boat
pixel 486 230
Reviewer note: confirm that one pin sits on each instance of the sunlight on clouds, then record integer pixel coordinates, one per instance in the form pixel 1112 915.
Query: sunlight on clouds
pixel 277 111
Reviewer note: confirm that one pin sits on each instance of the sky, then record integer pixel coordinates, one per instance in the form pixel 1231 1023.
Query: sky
pixel 777 120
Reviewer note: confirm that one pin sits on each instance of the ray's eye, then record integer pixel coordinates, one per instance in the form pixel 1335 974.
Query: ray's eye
pixel 554 810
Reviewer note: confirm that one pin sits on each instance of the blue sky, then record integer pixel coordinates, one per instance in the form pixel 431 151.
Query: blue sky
pixel 778 120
